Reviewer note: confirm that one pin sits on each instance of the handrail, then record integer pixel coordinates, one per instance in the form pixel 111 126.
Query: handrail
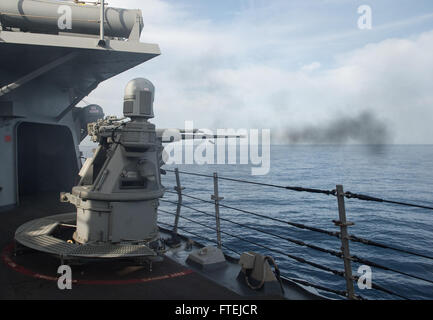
pixel 298 189
pixel 302 260
pixel 334 253
pixel 336 234
pixel 293 257
pixel 301 243
pixel 342 223
pixel 348 195
pixel 201 237
pixel 298 242
pixel 299 281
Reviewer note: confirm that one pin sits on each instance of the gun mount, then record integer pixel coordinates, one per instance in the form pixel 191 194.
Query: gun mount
pixel 117 196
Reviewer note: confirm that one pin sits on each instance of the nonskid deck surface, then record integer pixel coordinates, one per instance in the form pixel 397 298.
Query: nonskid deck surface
pixel 168 280
pixel 33 275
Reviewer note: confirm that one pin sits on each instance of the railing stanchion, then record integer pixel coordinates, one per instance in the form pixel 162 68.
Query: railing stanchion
pixel 341 223
pixel 344 235
pixel 178 188
pixel 217 200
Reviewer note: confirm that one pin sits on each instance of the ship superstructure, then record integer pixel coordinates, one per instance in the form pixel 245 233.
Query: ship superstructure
pixel 48 64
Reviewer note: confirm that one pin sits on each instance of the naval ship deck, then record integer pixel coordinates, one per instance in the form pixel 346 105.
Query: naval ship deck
pixel 24 284
pixel 33 275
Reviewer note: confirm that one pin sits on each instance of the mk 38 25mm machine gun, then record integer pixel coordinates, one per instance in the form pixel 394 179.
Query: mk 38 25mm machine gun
pixel 117 196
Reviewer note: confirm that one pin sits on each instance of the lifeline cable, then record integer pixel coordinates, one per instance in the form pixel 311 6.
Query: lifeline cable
pixel 302 282
pixel 350 195
pixel 199 236
pixel 314 229
pixel 301 260
pixel 318 266
pixel 298 242
pixel 301 243
pixel 298 189
pixel 293 224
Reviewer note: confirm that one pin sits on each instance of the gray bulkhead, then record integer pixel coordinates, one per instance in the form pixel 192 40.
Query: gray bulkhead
pixel 44 74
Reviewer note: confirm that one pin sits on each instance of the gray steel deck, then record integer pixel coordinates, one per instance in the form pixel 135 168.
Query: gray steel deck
pixel 33 275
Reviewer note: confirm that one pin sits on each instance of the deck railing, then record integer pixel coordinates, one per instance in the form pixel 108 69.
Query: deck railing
pixel 216 203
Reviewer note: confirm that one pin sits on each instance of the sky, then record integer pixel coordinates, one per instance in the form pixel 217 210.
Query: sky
pixel 287 65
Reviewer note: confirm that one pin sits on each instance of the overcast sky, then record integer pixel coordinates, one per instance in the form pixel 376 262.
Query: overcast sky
pixel 285 64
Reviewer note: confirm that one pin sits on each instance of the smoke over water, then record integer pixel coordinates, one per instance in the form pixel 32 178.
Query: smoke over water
pixel 363 128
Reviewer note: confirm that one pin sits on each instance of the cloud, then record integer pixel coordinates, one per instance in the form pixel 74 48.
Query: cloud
pixel 249 72
pixel 311 67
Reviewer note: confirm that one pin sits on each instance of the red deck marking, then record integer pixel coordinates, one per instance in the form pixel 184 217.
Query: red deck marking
pixel 6 257
pixel 8 138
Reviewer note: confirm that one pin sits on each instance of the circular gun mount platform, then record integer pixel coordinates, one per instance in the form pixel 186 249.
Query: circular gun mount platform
pixel 40 235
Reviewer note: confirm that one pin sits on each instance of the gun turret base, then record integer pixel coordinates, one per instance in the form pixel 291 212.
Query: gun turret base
pixel 42 235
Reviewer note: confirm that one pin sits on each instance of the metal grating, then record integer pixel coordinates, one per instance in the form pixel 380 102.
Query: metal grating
pixel 36 235
pixel 37 227
pixel 46 244
pixel 112 251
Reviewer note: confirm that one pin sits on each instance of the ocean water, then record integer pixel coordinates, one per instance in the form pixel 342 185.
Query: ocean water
pixel 395 172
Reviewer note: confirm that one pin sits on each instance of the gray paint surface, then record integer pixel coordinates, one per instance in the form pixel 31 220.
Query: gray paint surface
pixel 50 97
pixel 44 16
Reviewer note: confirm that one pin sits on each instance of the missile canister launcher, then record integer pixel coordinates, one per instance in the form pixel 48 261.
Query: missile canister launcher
pixel 53 54
pixel 118 195
pixel 44 16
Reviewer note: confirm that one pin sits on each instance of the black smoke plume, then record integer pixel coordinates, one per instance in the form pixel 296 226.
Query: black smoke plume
pixel 363 128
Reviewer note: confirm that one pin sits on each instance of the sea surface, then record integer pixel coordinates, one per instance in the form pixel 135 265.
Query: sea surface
pixel 395 172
